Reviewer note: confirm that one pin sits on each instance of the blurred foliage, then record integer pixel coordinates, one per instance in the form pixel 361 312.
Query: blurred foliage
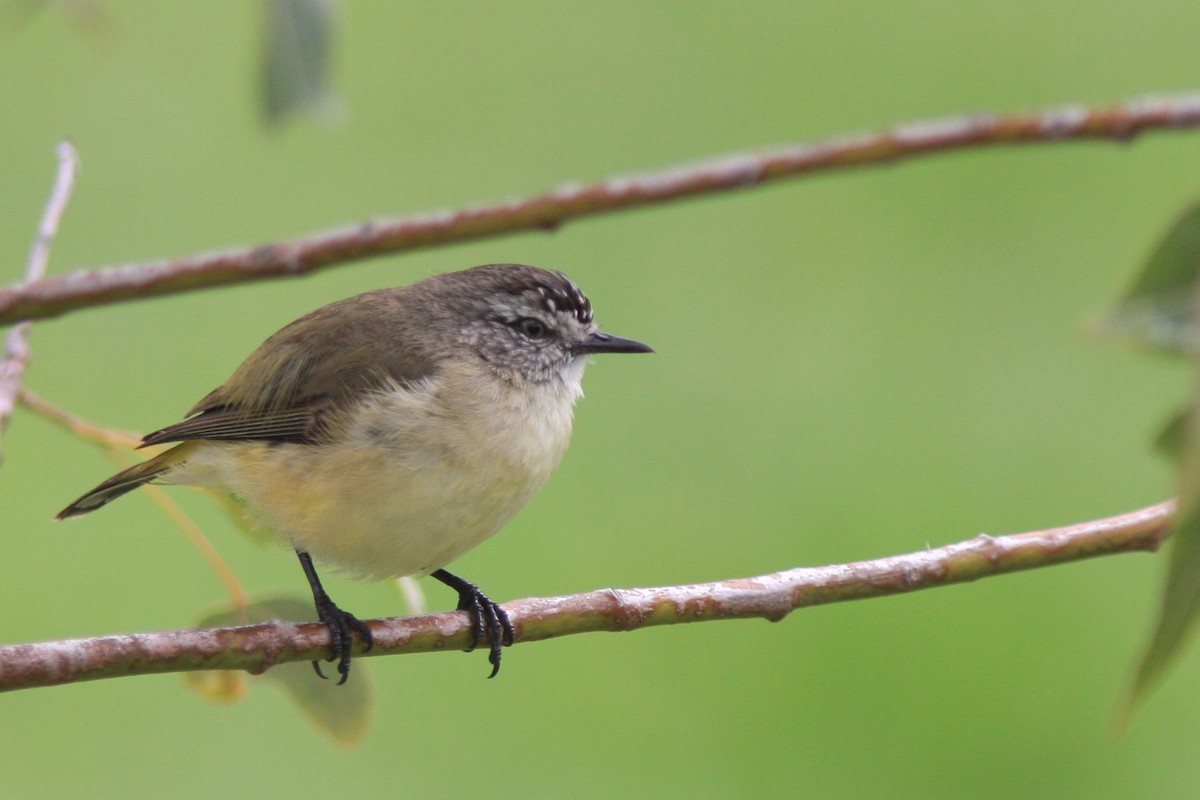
pixel 1160 311
pixel 343 712
pixel 296 58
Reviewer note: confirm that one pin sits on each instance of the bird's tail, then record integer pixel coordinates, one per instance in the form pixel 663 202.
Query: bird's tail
pixel 126 481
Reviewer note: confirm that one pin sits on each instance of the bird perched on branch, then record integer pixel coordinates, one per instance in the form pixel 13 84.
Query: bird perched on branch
pixel 390 432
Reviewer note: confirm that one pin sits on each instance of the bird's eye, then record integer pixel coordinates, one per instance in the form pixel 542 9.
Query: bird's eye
pixel 533 328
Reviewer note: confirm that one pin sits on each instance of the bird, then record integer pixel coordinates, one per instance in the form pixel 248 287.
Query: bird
pixel 388 433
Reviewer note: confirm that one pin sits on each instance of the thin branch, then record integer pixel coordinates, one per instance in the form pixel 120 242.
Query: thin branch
pixel 202 544
pixel 258 647
pixel 16 346
pixel 55 296
pixel 108 438
pixel 115 444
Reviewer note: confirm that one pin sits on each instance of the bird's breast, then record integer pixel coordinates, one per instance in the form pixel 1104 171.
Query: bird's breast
pixel 413 478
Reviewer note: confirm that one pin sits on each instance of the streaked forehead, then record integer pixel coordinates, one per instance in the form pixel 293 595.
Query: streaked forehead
pixel 560 295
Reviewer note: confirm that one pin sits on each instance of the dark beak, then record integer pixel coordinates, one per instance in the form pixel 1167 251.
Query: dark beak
pixel 607 343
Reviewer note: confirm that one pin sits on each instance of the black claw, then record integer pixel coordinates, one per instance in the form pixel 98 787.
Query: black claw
pixel 342 624
pixel 487 617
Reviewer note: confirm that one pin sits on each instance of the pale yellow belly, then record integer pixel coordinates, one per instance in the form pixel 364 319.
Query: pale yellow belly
pixel 365 513
pixel 406 501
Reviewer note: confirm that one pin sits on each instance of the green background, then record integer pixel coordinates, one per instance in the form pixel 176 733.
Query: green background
pixel 849 366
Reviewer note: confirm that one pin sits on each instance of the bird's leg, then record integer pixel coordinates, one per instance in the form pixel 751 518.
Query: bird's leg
pixel 486 616
pixel 342 624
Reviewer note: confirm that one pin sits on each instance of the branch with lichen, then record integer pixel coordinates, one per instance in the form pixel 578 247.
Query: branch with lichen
pixel 256 648
pixel 54 296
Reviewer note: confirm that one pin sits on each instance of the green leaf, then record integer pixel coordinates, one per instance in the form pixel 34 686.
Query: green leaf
pixel 296 58
pixel 1160 309
pixel 1181 598
pixel 1177 614
pixel 344 712
pixel 1170 440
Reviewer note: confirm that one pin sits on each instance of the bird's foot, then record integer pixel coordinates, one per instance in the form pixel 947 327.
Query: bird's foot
pixel 342 626
pixel 486 615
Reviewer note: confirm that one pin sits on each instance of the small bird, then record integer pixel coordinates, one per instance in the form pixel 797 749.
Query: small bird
pixel 391 432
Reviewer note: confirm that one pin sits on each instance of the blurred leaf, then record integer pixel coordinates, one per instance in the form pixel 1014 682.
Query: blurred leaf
pixel 218 685
pixel 1181 597
pixel 1160 308
pixel 296 58
pixel 1170 440
pixel 344 712
pixel 1177 615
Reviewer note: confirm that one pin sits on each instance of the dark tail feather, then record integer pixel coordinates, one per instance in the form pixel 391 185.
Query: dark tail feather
pixel 124 481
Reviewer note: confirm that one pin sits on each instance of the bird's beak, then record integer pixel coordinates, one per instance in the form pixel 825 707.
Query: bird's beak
pixel 607 343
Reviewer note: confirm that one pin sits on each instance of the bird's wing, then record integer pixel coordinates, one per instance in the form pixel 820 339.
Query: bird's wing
pixel 296 381
pixel 231 424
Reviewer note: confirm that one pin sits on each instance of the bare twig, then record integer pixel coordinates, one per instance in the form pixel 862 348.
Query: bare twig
pixel 203 545
pixel 115 444
pixel 16 346
pixel 258 647
pixel 108 438
pixel 95 287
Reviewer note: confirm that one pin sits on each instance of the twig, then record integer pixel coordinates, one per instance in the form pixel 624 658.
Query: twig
pixel 108 438
pixel 198 540
pixel 258 647
pixel 115 443
pixel 55 296
pixel 16 346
